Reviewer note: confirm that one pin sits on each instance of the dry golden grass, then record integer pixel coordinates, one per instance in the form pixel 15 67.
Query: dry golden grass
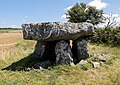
pixel 8 38
pixel 7 41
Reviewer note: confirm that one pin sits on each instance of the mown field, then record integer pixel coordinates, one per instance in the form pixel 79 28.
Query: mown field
pixel 16 60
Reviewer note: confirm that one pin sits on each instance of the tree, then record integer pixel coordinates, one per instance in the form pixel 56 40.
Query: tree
pixel 110 21
pixel 82 13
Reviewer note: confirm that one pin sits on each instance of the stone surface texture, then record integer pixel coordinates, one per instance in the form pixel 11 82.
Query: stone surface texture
pixel 96 64
pixel 82 62
pixel 63 53
pixel 80 50
pixel 51 31
pixel 103 57
pixel 40 48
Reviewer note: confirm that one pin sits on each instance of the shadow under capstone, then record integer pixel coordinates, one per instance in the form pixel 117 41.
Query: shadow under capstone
pixel 24 64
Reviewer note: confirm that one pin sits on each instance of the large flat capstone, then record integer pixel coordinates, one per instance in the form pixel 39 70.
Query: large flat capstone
pixel 51 31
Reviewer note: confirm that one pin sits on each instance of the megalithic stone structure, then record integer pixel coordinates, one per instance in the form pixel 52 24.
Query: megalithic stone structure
pixel 53 40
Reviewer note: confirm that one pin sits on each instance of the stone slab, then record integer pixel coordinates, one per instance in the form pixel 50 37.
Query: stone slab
pixel 50 31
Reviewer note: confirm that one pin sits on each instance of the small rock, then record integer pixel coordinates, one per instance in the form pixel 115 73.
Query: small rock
pixel 101 63
pixel 96 64
pixel 43 64
pixel 103 57
pixel 82 62
pixel 94 54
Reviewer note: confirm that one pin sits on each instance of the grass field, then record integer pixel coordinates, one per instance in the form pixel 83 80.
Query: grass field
pixel 17 56
pixel 8 38
pixel 10 31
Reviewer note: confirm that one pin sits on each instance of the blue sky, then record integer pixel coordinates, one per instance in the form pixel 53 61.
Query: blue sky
pixel 15 12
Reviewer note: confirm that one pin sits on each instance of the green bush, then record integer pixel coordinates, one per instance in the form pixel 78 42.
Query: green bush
pixel 109 36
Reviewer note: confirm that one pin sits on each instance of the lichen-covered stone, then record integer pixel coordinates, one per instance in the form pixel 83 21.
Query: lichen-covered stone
pixel 79 50
pixel 39 49
pixel 51 31
pixel 63 53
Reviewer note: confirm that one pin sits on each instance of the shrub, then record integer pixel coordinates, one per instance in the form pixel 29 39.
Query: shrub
pixel 109 36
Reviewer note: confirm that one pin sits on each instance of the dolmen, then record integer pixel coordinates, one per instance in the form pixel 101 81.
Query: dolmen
pixel 53 41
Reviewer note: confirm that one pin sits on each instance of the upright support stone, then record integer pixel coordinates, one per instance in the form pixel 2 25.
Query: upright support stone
pixel 40 48
pixel 63 53
pixel 79 50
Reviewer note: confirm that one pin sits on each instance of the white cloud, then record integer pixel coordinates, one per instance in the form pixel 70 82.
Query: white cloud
pixel 116 16
pixel 118 20
pixel 98 4
pixel 63 16
pixel 113 15
pixel 68 8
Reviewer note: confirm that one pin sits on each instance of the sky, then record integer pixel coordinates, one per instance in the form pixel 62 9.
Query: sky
pixel 13 13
